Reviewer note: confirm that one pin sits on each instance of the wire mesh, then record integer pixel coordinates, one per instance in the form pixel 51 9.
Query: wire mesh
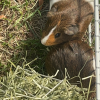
pixel 97 49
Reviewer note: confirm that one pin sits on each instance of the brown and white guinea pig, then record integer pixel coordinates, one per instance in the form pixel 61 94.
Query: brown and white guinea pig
pixel 78 58
pixel 67 20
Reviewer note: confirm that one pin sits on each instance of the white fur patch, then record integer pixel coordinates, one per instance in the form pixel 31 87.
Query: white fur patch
pixel 44 40
pixel 52 2
pixel 91 2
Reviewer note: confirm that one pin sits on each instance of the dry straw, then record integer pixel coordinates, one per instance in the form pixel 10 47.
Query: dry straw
pixel 26 84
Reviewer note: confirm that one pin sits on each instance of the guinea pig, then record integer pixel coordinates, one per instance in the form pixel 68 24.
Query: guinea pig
pixel 78 58
pixel 67 20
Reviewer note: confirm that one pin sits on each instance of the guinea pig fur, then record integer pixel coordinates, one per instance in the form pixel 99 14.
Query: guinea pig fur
pixel 77 58
pixel 67 20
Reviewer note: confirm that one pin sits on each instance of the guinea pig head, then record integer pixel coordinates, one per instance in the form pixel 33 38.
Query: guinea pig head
pixel 61 25
pixel 67 20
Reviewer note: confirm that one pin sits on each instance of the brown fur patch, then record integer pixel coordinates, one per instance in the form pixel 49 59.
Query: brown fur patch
pixel 51 40
pixel 59 23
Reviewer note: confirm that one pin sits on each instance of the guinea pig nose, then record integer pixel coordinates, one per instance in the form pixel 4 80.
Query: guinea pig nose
pixel 57 35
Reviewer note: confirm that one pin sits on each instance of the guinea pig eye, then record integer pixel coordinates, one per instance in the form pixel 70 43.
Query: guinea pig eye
pixel 57 35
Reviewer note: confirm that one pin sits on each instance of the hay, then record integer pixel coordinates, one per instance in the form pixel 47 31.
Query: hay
pixel 26 84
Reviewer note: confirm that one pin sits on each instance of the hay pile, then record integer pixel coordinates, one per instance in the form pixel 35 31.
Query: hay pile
pixel 26 84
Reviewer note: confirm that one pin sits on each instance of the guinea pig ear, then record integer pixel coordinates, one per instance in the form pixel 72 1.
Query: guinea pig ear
pixel 71 30
pixel 52 11
pixel 54 8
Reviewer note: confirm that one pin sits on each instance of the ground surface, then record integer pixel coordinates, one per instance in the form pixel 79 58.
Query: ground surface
pixel 20 31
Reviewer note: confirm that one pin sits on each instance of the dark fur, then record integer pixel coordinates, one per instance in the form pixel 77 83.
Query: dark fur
pixel 75 56
pixel 72 18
